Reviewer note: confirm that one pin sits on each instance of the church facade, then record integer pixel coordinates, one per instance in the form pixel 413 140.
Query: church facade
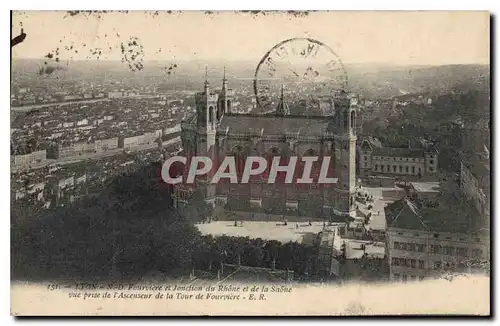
pixel 216 132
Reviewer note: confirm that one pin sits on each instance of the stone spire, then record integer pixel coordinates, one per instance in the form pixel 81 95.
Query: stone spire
pixel 224 81
pixel 206 79
pixel 282 108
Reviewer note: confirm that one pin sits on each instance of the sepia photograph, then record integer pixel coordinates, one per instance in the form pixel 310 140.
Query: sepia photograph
pixel 229 163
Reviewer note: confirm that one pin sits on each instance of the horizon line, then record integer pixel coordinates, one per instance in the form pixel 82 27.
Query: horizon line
pixel 387 63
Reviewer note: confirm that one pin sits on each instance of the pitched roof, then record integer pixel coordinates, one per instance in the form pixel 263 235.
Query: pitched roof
pixel 369 143
pixel 404 214
pixel 398 152
pixel 277 125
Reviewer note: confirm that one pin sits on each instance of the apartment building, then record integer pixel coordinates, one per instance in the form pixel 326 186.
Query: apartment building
pixel 424 242
pixel 27 160
pixel 475 185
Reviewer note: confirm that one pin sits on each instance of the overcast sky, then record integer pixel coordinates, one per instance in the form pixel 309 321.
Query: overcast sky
pixel 402 38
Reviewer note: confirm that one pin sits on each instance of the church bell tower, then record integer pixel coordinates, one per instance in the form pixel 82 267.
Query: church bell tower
pixel 346 163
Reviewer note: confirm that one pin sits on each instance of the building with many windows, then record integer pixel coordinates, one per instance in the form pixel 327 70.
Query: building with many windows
pixel 424 242
pixel 475 184
pixel 406 163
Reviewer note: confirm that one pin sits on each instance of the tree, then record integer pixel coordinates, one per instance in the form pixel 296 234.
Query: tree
pixel 130 229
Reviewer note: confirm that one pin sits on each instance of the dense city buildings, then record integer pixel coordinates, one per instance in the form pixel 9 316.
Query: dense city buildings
pixel 400 213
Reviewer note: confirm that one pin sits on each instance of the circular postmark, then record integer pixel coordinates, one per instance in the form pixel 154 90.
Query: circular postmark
pixel 307 68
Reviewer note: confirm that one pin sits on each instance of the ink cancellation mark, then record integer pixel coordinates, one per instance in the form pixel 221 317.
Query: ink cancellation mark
pixel 303 65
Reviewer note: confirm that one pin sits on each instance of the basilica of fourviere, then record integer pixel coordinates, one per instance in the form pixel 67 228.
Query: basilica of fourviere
pixel 216 131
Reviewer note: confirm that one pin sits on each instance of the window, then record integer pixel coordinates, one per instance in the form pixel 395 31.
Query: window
pixel 421 278
pixel 435 249
pixel 402 246
pixel 420 247
pixel 462 252
pixel 477 253
pixel 431 162
pixel 437 265
pixel 388 168
pixel 413 263
pixel 376 167
pixel 400 169
pixel 421 264
pixel 397 277
pixel 365 158
pixel 410 247
pixel 431 168
pixel 396 245
pixel 413 169
pixel 448 250
pixel 436 235
pixel 393 168
pixel 366 165
pixel 394 159
pixel 405 278
pixel 407 169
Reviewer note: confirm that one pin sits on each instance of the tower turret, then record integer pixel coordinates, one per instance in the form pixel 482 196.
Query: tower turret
pixel 226 98
pixel 346 143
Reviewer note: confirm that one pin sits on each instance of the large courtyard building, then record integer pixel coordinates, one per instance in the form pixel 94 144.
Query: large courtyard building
pixel 409 163
pixel 216 131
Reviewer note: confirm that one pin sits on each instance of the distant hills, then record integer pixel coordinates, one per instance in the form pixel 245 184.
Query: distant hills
pixel 368 80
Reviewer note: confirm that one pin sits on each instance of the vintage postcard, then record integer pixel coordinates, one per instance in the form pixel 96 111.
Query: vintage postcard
pixel 276 163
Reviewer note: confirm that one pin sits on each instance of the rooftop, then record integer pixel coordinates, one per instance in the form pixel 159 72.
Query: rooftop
pixel 277 125
pixel 398 152
pixel 426 186
pixel 450 217
pixel 356 249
